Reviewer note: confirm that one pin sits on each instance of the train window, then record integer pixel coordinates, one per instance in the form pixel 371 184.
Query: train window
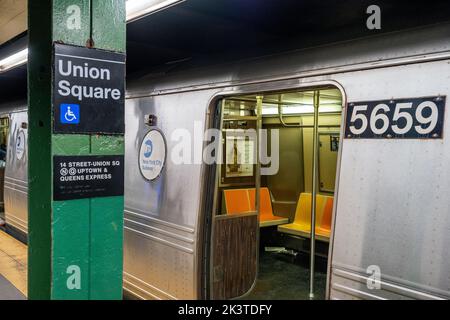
pixel 239 143
pixel 270 191
pixel 4 129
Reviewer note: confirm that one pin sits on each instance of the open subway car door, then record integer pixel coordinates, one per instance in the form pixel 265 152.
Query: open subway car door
pixel 235 226
pixel 279 151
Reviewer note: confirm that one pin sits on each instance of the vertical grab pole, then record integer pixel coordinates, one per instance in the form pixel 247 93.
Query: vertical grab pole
pixel 314 191
pixel 259 100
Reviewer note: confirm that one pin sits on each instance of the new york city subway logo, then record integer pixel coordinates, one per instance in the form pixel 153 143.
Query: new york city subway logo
pixel 148 148
pixel 152 155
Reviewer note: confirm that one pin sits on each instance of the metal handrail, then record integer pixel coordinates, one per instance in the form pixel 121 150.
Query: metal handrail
pixel 314 191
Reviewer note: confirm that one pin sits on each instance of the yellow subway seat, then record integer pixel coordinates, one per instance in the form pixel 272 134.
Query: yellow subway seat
pixel 302 221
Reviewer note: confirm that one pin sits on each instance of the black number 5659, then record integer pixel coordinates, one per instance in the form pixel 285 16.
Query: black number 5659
pixel 400 118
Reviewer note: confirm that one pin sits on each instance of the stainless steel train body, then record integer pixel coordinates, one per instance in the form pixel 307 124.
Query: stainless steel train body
pixel 15 186
pixel 391 210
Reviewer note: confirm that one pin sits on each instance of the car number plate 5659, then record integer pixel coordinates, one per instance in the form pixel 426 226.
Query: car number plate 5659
pixel 413 118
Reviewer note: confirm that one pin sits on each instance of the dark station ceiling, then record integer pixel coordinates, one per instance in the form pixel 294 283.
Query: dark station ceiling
pixel 201 32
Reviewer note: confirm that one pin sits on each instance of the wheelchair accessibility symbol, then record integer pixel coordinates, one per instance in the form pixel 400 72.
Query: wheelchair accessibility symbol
pixel 70 113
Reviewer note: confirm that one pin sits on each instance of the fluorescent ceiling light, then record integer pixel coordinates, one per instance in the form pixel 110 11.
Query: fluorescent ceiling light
pixel 14 60
pixel 330 108
pixel 135 9
pixel 267 111
pixel 140 8
pixel 300 109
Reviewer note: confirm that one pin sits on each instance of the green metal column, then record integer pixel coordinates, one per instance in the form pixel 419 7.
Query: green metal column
pixel 75 246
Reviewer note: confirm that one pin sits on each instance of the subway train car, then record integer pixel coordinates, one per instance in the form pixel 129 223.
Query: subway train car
pixel 13 165
pixel 351 136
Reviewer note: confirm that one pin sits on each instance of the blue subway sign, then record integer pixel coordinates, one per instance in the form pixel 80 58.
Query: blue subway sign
pixel 69 113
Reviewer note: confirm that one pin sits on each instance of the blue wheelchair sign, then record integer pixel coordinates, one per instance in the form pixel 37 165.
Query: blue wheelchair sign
pixel 70 113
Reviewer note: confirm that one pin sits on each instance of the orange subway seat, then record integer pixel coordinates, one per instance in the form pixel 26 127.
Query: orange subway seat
pixel 324 229
pixel 241 201
pixel 265 205
pixel 266 216
pixel 236 201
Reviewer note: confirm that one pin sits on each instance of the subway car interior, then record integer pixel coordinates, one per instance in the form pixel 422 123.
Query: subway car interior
pixel 285 122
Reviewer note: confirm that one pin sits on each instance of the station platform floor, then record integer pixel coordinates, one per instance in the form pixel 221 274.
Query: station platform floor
pixel 13 268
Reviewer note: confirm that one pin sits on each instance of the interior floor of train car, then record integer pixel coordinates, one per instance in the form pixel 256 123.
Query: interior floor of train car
pixel 284 268
pixel 13 268
pixel 283 276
